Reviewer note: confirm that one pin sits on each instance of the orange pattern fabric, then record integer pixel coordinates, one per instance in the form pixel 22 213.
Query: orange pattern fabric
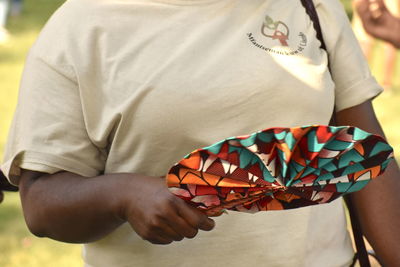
pixel 279 168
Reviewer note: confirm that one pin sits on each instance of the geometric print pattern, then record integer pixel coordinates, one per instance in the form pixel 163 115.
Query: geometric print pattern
pixel 279 168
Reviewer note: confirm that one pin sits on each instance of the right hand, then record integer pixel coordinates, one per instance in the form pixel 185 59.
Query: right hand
pixel 378 21
pixel 157 215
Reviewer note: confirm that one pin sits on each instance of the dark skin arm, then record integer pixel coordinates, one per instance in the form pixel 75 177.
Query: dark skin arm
pixel 71 208
pixel 89 211
pixel 378 203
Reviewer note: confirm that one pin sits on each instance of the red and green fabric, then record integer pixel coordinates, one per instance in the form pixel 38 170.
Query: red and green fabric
pixel 279 168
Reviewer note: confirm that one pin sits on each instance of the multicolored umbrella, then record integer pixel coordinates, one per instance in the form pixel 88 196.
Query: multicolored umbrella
pixel 279 168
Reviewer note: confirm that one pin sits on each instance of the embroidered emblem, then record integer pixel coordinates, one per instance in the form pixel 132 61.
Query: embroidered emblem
pixel 277 30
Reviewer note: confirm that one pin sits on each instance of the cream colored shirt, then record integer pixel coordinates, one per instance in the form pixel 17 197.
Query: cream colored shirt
pixel 133 85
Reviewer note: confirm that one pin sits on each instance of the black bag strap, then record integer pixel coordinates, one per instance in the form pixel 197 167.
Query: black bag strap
pixel 361 254
pixel 5 185
pixel 312 13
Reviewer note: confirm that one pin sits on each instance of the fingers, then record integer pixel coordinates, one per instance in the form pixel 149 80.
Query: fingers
pixel 183 228
pixel 207 225
pixel 370 9
pixel 161 218
pixel 361 5
pixel 174 220
pixel 194 217
pixel 363 9
pixel 157 231
pixel 379 4
pixel 376 9
pixel 168 234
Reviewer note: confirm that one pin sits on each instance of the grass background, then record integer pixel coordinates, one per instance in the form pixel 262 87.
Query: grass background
pixel 17 246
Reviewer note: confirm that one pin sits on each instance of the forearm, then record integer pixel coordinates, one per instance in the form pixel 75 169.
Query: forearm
pixel 72 208
pixel 377 205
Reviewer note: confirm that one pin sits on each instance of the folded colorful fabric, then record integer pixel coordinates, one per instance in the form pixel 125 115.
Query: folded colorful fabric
pixel 279 168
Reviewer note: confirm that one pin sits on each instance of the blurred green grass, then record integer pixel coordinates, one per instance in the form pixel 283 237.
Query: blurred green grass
pixel 17 246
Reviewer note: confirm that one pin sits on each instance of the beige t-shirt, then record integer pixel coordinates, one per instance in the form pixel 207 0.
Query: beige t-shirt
pixel 134 85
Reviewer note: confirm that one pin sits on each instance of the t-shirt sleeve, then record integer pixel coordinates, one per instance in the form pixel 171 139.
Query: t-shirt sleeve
pixel 48 132
pixel 354 83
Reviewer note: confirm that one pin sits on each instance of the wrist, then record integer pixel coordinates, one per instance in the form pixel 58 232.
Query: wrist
pixel 131 190
pixel 122 190
pixel 137 193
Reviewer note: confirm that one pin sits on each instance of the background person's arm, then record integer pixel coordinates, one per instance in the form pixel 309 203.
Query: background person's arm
pixel 72 208
pixel 378 21
pixel 378 203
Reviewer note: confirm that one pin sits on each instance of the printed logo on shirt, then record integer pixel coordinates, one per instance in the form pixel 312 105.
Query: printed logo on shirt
pixel 277 39
pixel 276 30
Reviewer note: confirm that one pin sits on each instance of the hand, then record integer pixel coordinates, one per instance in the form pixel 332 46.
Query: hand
pixel 378 21
pixel 157 215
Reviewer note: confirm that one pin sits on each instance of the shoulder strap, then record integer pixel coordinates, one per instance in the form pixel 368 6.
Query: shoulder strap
pixel 312 13
pixel 362 254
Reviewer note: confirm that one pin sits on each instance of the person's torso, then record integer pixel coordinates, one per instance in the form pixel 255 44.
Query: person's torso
pixel 162 78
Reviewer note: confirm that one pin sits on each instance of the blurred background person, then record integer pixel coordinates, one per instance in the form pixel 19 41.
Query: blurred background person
pixel 4 6
pixel 377 19
pixel 16 7
pixel 8 7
